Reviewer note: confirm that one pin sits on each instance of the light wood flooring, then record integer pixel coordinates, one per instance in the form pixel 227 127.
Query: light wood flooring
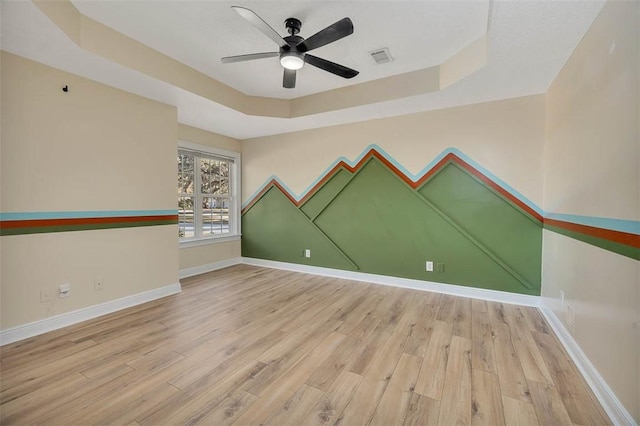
pixel 248 346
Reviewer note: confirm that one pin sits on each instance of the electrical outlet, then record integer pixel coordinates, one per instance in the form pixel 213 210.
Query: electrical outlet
pixel 307 253
pixel 98 283
pixel 440 267
pixel 561 299
pixel 64 290
pixel 429 266
pixel 570 319
pixel 45 295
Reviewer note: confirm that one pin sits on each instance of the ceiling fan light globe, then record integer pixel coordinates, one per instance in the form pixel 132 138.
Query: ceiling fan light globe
pixel 291 61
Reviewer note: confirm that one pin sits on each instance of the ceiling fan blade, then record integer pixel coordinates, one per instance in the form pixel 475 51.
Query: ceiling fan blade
pixel 333 32
pixel 250 57
pixel 289 79
pixel 259 23
pixel 331 67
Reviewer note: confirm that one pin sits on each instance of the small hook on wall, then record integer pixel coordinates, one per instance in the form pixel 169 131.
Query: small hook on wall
pixel 65 89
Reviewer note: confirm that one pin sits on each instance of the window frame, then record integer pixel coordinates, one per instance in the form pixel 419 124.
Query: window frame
pixel 235 186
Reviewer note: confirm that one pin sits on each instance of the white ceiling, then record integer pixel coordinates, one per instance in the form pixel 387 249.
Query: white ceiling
pixel 529 42
pixel 199 33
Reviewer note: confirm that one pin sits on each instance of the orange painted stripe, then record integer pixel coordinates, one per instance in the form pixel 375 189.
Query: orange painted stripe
pixel 35 223
pixel 625 238
pixel 499 189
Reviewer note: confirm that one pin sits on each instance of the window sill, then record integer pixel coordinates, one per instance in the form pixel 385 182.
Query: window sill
pixel 207 241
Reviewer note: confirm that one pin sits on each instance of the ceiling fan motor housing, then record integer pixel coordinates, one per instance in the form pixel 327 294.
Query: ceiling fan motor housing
pixel 293 25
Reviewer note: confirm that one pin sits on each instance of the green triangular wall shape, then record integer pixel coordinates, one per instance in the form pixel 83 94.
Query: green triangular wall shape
pixel 275 229
pixel 505 230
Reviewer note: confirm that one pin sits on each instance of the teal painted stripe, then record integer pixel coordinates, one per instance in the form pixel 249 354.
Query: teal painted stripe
pixel 413 177
pixel 621 225
pixel 83 214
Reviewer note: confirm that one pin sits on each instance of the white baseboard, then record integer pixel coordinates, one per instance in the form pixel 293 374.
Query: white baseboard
pixel 64 320
pixel 456 290
pixel 209 267
pixel 610 402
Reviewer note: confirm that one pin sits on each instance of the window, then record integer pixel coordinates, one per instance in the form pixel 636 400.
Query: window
pixel 208 193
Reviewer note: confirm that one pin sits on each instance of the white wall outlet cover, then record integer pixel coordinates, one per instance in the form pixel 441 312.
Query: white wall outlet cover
pixel 307 253
pixel 429 266
pixel 64 290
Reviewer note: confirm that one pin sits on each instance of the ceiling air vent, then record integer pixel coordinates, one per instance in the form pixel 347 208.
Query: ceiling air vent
pixel 381 55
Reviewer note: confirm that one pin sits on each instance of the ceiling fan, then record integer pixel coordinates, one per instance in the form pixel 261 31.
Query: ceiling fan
pixel 293 48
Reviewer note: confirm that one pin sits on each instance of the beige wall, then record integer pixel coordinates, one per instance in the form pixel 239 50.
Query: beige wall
pixel 93 148
pixel 193 257
pixel 203 137
pixel 592 163
pixel 506 137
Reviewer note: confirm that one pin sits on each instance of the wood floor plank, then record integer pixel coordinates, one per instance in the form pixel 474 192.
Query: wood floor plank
pixel 431 378
pixel 486 401
pixel 386 357
pixel 420 333
pixel 512 381
pixel 576 397
pixel 276 368
pixel 197 408
pixel 517 412
pixel 360 359
pixel 364 402
pixel 296 409
pixel 419 340
pixel 289 382
pixel 130 408
pixel 548 405
pixel 250 345
pixel 223 361
pixel 534 320
pixel 35 404
pixel 329 370
pixel 74 411
pixel 533 366
pixel 332 403
pixel 455 407
pixel 447 309
pixel 497 313
pixel 422 411
pixel 229 409
pixel 462 317
pixel 393 405
pixel 482 354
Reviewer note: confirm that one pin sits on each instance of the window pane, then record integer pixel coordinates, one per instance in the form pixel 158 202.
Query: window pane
pixel 224 169
pixel 209 176
pixel 215 213
pixel 185 173
pixel 186 228
pixel 223 187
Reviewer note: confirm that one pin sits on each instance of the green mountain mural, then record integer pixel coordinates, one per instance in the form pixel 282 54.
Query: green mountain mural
pixel 371 220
